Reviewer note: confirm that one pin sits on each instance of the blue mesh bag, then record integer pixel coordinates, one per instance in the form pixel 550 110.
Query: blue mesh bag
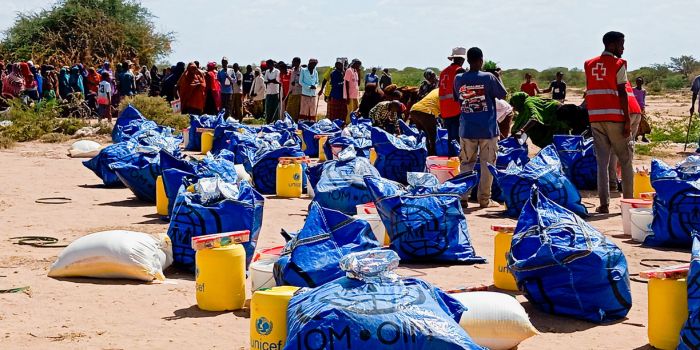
pixel 545 171
pixel 326 233
pixel 566 267
pixel 578 159
pixel 397 156
pixel 425 221
pixel 373 308
pixel 193 217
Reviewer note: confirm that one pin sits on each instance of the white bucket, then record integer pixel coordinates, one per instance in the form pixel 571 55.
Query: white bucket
pixel 443 173
pixel 261 275
pixel 367 208
pixel 441 161
pixel 625 206
pixel 641 219
pixel 377 225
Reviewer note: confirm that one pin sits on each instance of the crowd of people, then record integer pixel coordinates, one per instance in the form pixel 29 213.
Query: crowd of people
pixel 469 103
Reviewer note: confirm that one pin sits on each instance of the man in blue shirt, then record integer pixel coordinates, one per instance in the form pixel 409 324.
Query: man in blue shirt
pixel 227 81
pixel 371 78
pixel 476 92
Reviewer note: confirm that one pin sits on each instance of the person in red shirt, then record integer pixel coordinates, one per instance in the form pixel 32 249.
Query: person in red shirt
pixel 285 78
pixel 529 87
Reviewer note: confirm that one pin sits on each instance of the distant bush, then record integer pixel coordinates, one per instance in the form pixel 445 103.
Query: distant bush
pixel 32 122
pixel 158 110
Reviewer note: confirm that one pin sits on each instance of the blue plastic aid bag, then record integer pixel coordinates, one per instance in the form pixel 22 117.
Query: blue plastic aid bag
pixel 190 218
pixel 202 121
pixel 444 147
pixel 397 156
pixel 374 312
pixel 140 175
pixel 565 267
pixel 311 258
pixel 265 168
pixel 510 150
pixel 544 170
pixel 309 133
pixel 690 337
pixel 578 159
pixel 688 170
pixel 409 130
pixel 129 117
pixel 676 213
pixel 339 185
pixel 118 152
pixel 426 224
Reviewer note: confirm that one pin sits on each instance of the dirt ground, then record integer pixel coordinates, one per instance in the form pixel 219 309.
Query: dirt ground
pixel 117 314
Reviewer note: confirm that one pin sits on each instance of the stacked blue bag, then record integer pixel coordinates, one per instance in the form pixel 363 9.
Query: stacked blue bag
pixel 100 164
pixel 139 174
pixel 397 156
pixel 339 185
pixel 676 204
pixel 196 214
pixel 265 167
pixel 128 123
pixel 373 308
pixel 690 337
pixel 545 171
pixel 565 267
pixel 202 121
pixel 309 133
pixel 409 130
pixel 444 147
pixel 578 159
pixel 510 150
pixel 425 221
pixel 358 134
pixel 326 233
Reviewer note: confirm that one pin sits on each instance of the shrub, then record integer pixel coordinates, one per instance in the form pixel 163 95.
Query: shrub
pixel 54 137
pixel 32 122
pixel 158 110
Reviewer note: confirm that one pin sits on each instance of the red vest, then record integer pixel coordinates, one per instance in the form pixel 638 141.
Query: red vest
pixel 602 98
pixel 632 103
pixel 449 108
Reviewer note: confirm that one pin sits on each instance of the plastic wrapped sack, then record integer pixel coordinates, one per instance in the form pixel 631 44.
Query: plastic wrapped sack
pixel 373 308
pixel 265 168
pixel 688 170
pixel 425 221
pixel 191 217
pixel 397 156
pixel 202 121
pixel 328 234
pixel 309 133
pixel 84 149
pixel 361 135
pixel 339 184
pixel 565 267
pixel 676 213
pixel 100 164
pixel 578 159
pixel 115 254
pixel 140 174
pixel 690 338
pixel 544 170
pixel 444 147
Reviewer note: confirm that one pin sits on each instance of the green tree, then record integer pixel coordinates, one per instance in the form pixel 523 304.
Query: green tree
pixel 88 31
pixel 684 65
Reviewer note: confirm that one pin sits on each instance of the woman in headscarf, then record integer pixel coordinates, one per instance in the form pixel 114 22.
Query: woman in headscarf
pixel 92 81
pixel 13 85
pixel 76 80
pixel 169 88
pixel 154 88
pixel 213 99
pixel 143 80
pixel 64 88
pixel 30 87
pixel 537 117
pixel 39 80
pixel 192 89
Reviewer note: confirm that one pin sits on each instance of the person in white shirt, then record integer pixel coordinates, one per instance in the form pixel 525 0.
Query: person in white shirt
pixel 257 94
pixel 272 92
pixel 237 103
pixel 504 116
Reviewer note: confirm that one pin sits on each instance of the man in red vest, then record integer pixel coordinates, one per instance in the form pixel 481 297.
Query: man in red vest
pixel 609 114
pixel 449 108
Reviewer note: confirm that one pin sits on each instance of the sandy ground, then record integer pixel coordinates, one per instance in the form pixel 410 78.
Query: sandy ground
pixel 105 314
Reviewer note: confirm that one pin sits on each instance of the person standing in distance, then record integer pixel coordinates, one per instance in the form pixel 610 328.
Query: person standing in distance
pixel 449 107
pixel 609 114
pixel 476 92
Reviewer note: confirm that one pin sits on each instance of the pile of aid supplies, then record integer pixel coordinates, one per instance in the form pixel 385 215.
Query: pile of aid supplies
pixel 376 200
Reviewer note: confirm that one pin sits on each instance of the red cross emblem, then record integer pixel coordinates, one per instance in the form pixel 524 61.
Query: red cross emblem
pixel 599 71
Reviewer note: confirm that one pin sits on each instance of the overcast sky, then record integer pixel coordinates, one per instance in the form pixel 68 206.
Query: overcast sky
pixel 418 33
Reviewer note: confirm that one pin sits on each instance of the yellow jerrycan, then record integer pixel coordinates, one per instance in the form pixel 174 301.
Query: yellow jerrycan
pixel 502 277
pixel 668 311
pixel 289 177
pixel 161 198
pixel 220 278
pixel 268 317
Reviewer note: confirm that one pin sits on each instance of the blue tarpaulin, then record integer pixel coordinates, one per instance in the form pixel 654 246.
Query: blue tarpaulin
pixel 397 156
pixel 578 159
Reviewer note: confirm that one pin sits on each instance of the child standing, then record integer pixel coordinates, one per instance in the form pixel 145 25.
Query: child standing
pixel 641 95
pixel 104 99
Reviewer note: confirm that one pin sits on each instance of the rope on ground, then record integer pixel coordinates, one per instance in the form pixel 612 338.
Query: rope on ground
pixel 38 241
pixel 14 290
pixel 53 200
